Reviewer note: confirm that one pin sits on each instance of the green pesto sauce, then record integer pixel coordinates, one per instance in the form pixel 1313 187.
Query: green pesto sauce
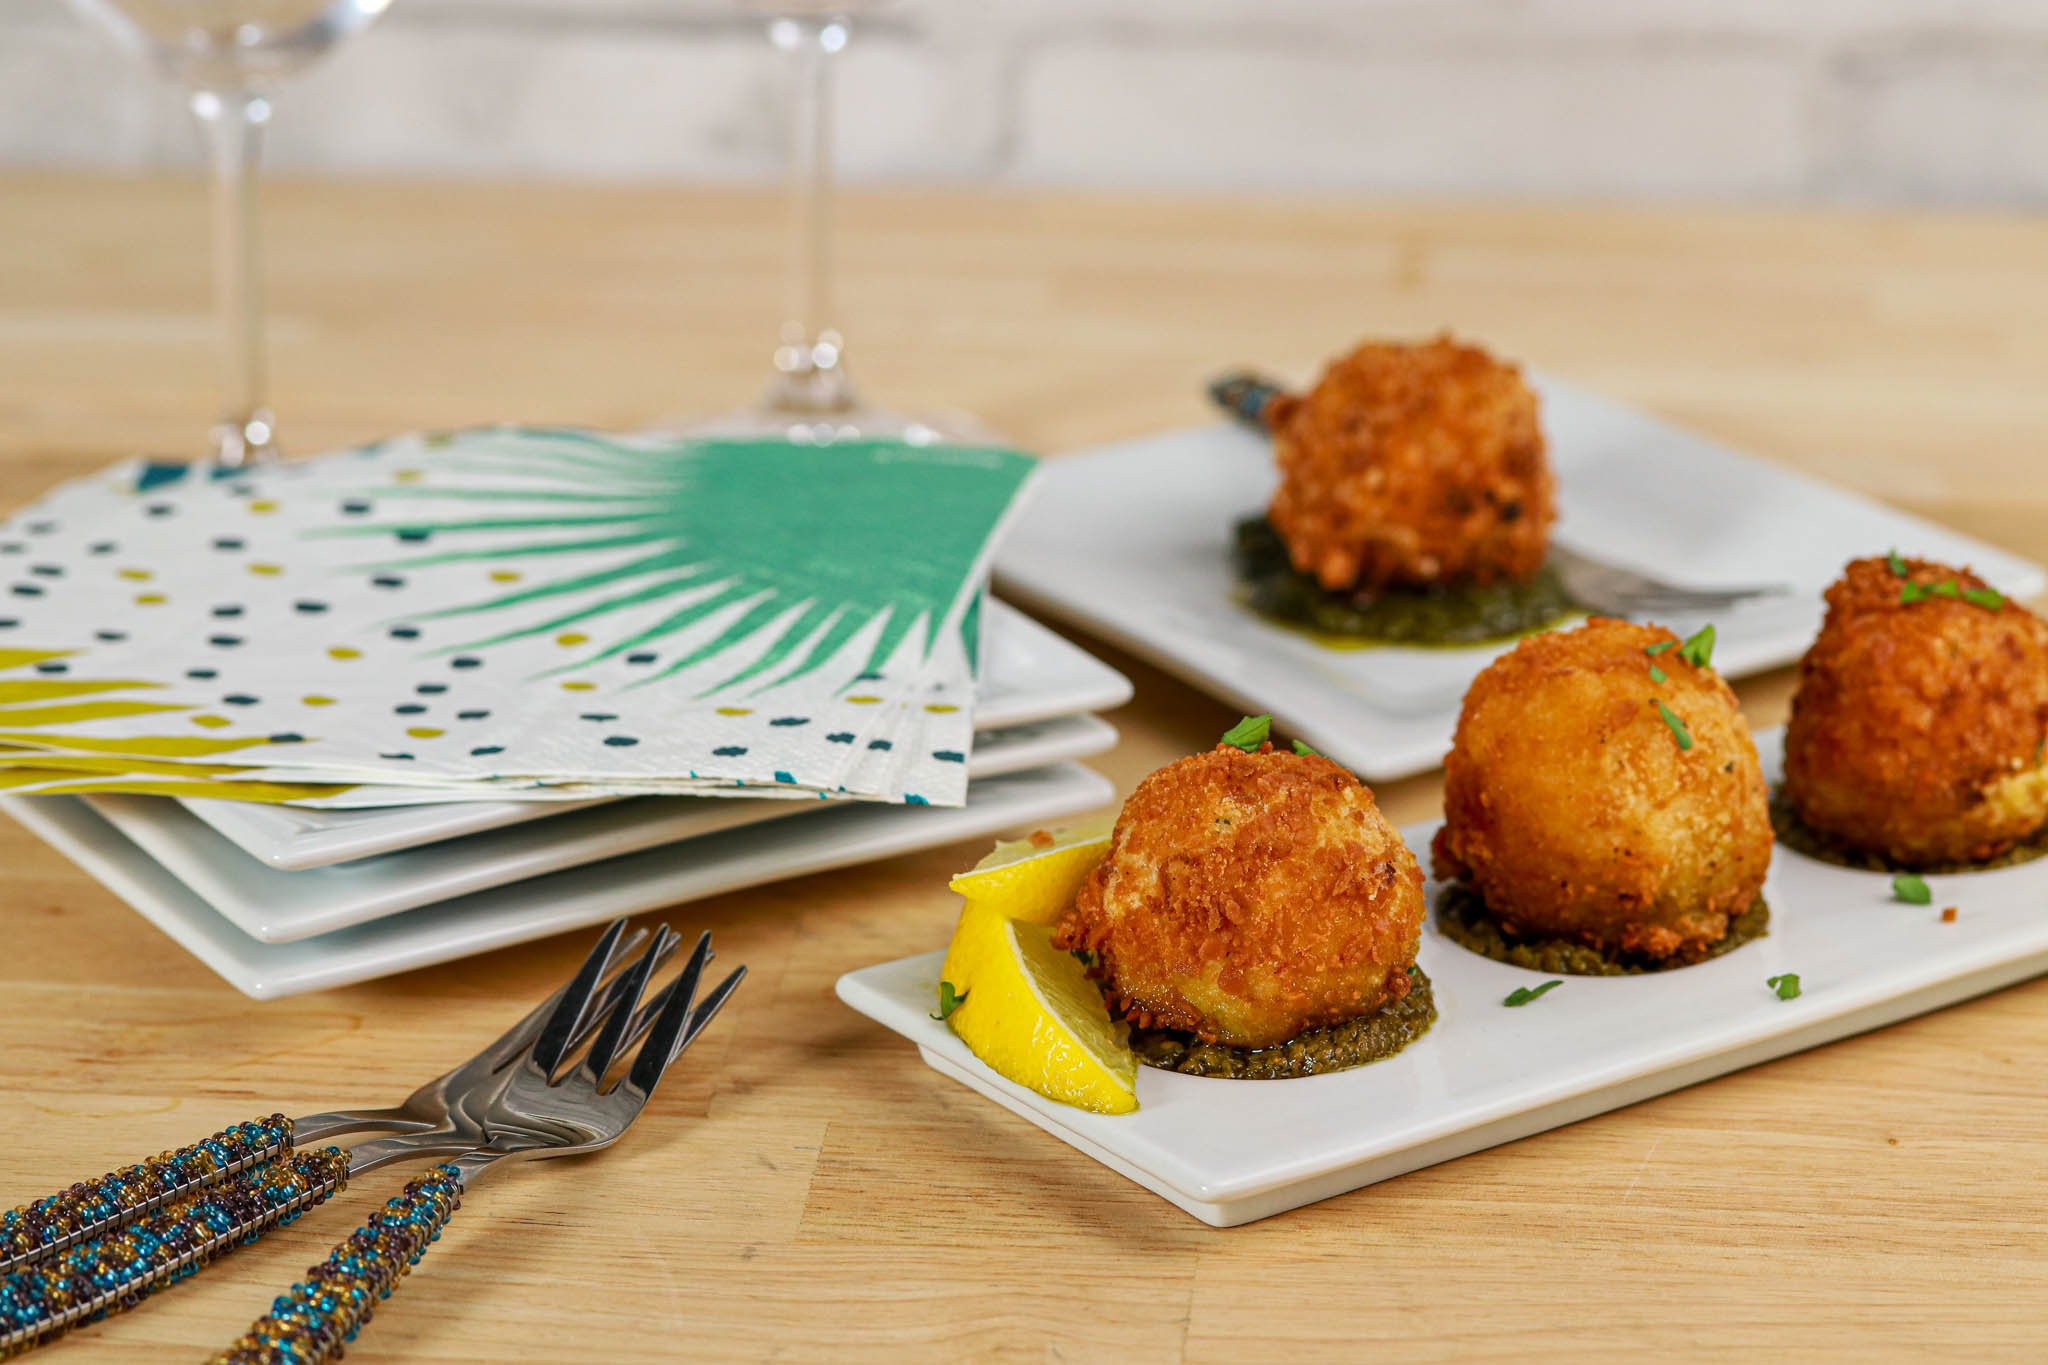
pixel 1357 1042
pixel 1795 834
pixel 1464 919
pixel 1461 614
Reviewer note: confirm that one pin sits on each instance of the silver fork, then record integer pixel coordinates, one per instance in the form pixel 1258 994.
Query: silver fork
pixel 1596 584
pixel 542 1110
pixel 1617 590
pixel 39 1231
pixel 130 1262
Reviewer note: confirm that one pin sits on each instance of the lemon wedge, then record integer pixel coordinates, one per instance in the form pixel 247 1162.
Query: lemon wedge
pixel 1035 879
pixel 1028 1010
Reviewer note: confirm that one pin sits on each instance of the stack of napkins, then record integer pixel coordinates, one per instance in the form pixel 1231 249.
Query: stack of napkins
pixel 506 613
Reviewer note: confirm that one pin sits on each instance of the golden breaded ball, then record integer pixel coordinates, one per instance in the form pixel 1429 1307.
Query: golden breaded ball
pixel 1918 727
pixel 1247 897
pixel 1413 466
pixel 1571 806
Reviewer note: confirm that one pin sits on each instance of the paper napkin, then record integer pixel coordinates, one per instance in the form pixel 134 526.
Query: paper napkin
pixel 514 608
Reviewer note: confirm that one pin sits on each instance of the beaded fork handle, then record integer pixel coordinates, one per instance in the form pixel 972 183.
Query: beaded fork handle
pixel 37 1231
pixel 312 1322
pixel 91 1280
pixel 1246 396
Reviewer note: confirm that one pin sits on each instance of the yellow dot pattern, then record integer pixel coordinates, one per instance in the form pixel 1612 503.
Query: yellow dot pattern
pixel 344 652
pixel 150 599
pixel 317 700
pixel 137 575
pixel 262 507
pixel 572 637
pixel 424 732
pixel 211 722
pixel 579 687
pixel 266 570
pixel 506 576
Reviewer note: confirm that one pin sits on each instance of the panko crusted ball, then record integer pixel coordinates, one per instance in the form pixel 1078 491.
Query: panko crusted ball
pixel 1249 897
pixel 1579 811
pixel 1918 728
pixel 1413 466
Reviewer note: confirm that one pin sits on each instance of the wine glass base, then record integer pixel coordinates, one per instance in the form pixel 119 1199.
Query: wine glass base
pixel 857 422
pixel 237 442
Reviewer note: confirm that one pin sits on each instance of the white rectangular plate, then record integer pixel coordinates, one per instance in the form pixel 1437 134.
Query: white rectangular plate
pixel 1031 675
pixel 1133 541
pixel 648 880
pixel 1232 1151
pixel 278 907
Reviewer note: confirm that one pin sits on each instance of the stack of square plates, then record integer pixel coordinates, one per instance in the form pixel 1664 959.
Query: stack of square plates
pixel 280 900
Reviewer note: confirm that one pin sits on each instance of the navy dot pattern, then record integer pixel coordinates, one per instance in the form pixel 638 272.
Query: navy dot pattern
pixel 222 552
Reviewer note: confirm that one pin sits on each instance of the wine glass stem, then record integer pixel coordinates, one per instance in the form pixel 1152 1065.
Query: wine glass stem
pixel 810 359
pixel 233 122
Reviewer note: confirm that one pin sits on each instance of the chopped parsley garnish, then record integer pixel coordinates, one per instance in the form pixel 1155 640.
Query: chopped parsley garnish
pixel 1787 986
pixel 1896 562
pixel 1991 599
pixel 1911 890
pixel 1522 995
pixel 1249 733
pixel 1698 650
pixel 1085 956
pixel 1658 675
pixel 949 1000
pixel 1654 650
pixel 1683 735
pixel 1303 751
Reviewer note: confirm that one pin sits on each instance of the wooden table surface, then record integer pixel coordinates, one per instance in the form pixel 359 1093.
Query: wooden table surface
pixel 805 1189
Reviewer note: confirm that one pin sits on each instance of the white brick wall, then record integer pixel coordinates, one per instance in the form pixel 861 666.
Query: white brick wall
pixel 1861 100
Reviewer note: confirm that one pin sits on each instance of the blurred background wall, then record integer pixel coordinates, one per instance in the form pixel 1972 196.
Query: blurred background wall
pixel 1902 101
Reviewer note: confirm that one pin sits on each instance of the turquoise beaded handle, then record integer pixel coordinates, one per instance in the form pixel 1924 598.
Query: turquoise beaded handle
pixel 312 1322
pixel 37 1231
pixel 1245 396
pixel 91 1280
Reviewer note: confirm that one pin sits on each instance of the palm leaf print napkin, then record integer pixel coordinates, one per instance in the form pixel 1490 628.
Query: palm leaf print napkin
pixel 505 610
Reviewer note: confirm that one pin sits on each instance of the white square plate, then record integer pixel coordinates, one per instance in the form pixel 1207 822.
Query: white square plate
pixel 1232 1151
pixel 837 837
pixel 1031 675
pixel 1133 541
pixel 278 907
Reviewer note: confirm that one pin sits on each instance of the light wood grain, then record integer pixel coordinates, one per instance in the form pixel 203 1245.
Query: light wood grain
pixel 805 1190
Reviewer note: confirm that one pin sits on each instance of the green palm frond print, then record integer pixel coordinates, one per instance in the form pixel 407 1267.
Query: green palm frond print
pixel 809 545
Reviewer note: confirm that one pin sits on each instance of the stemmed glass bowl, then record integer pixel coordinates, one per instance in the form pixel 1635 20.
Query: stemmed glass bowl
pixel 228 55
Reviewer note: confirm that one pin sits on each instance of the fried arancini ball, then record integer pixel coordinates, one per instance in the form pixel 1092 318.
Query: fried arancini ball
pixel 1571 806
pixel 1412 466
pixel 1249 897
pixel 1917 728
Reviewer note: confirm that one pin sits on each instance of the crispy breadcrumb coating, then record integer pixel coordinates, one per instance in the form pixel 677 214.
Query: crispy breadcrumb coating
pixel 1918 728
pixel 1248 897
pixel 1571 808
pixel 1411 466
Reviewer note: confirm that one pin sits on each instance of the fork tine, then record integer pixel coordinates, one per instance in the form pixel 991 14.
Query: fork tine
pixel 621 1013
pixel 708 1008
pixel 664 948
pixel 653 1057
pixel 513 1042
pixel 1680 604
pixel 568 1017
